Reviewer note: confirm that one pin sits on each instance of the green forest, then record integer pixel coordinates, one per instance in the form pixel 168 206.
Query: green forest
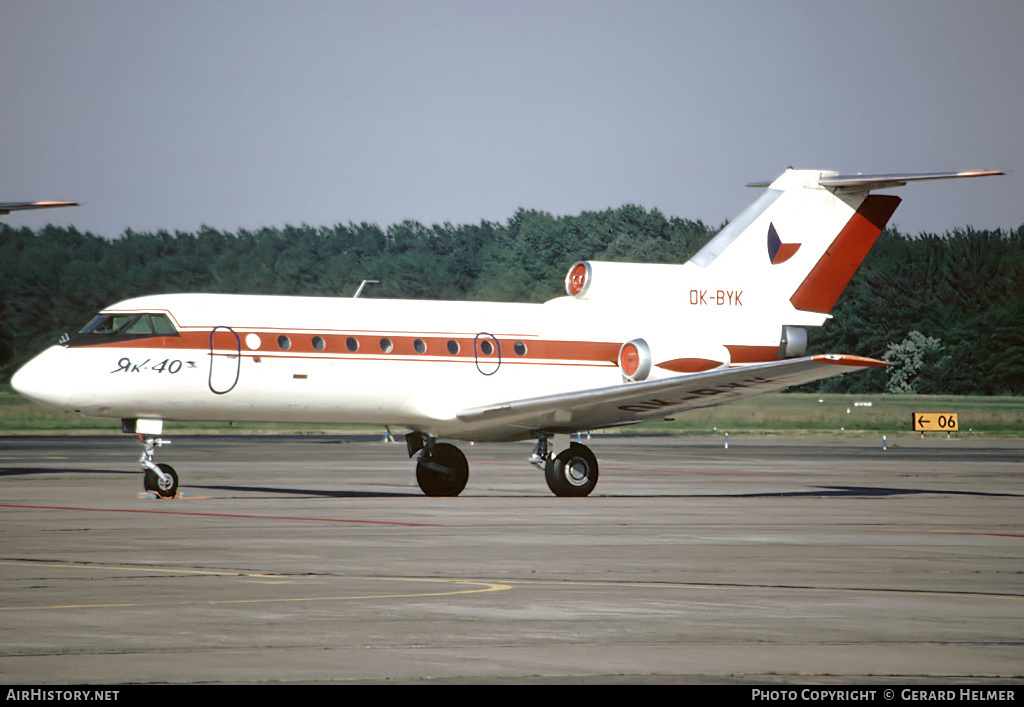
pixel 946 310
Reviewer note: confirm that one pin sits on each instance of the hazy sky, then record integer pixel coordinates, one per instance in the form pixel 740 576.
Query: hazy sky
pixel 237 114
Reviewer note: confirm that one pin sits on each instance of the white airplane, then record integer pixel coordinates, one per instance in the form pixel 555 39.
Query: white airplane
pixel 628 343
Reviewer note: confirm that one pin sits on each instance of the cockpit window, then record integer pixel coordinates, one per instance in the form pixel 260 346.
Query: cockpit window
pixel 108 324
pixel 106 328
pixel 162 325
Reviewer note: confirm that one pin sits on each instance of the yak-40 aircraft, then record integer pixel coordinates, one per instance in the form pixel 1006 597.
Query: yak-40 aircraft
pixel 628 343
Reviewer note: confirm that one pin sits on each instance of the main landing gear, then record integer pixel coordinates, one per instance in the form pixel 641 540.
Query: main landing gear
pixel 161 479
pixel 573 472
pixel 442 469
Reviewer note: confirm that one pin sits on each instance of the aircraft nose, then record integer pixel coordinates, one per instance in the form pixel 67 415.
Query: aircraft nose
pixel 37 382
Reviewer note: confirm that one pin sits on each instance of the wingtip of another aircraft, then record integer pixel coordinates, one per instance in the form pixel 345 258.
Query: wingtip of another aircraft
pixel 8 207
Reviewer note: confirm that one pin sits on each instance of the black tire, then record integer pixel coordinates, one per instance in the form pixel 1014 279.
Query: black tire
pixel 151 482
pixel 573 472
pixel 443 473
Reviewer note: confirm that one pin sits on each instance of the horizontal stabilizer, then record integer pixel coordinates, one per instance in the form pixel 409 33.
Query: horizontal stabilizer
pixel 885 181
pixel 9 206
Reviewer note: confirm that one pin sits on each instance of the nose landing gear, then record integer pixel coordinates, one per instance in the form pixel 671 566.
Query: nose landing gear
pixel 161 479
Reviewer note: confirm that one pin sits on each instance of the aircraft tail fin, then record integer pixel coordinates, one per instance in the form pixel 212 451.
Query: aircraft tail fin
pixel 798 245
pixel 806 235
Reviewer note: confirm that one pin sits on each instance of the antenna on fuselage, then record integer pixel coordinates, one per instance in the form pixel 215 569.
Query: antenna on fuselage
pixel 363 284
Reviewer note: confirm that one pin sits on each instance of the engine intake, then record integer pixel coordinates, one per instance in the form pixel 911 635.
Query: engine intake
pixel 639 358
pixel 590 279
pixel 578 279
pixel 635 360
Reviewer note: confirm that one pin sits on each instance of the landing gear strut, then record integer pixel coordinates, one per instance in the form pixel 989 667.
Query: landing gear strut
pixel 441 469
pixel 161 479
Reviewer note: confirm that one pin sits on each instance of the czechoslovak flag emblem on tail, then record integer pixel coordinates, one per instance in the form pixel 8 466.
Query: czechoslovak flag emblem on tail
pixel 779 252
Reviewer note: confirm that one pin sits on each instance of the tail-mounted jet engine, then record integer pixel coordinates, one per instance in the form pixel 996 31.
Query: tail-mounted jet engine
pixel 635 360
pixel 639 358
pixel 591 279
pixel 793 343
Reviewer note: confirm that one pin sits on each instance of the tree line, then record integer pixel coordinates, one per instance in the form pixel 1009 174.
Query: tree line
pixel 946 310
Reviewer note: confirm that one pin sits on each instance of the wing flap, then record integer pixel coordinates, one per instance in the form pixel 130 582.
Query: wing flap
pixel 636 402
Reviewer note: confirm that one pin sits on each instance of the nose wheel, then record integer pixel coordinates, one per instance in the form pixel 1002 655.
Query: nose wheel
pixel 160 479
pixel 165 484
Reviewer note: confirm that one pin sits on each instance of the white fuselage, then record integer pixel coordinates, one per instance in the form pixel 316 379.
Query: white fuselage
pixel 410 364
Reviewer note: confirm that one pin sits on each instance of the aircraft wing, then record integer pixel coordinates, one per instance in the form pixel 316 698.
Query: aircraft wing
pixel 7 207
pixel 651 400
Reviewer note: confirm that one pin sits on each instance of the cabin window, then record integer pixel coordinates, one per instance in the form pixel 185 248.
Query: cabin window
pixel 352 344
pixel 386 346
pixel 318 343
pixel 520 348
pixel 486 348
pixel 420 346
pixel 453 347
pixel 284 343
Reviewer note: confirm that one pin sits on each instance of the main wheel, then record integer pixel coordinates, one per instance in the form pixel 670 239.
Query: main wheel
pixel 443 473
pixel 573 472
pixel 163 489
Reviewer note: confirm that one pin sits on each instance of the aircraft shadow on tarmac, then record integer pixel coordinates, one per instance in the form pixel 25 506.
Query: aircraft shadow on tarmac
pixel 27 470
pixel 861 492
pixel 31 470
pixel 819 492
pixel 320 493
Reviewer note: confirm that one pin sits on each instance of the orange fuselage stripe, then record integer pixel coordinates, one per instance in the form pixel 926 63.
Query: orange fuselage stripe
pixel 301 345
